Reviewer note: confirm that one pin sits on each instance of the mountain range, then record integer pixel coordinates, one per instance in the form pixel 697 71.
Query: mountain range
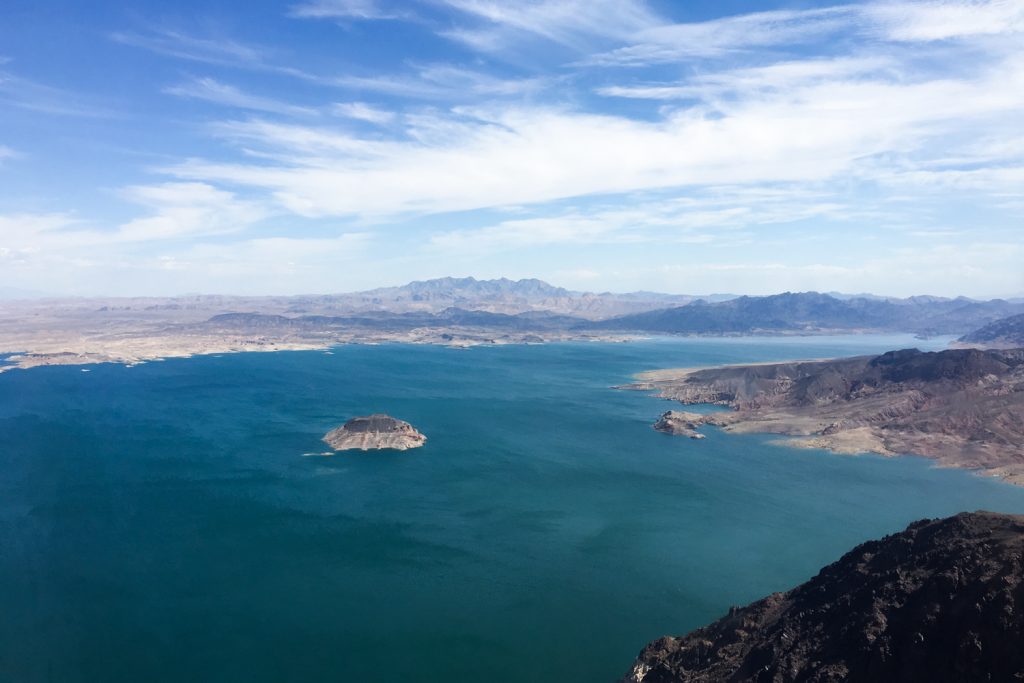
pixel 1004 333
pixel 814 312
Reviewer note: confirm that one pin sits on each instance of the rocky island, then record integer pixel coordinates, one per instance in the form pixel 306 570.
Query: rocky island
pixel 941 601
pixel 374 432
pixel 680 423
pixel 962 407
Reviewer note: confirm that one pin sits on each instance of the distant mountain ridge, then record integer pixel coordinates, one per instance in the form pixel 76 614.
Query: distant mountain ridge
pixel 1004 333
pixel 815 312
pixel 496 296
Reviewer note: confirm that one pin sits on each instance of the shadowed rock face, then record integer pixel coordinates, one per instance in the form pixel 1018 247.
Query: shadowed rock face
pixel 374 432
pixel 941 601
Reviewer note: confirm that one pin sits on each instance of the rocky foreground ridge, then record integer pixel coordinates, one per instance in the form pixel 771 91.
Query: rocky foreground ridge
pixel 962 407
pixel 940 602
pixel 374 432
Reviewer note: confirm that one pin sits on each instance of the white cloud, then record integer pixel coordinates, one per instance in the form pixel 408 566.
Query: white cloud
pixel 176 210
pixel 984 269
pixel 892 21
pixel 945 19
pixel 499 156
pixel 172 43
pixel 569 22
pixel 187 210
pixel 342 9
pixel 672 42
pixel 210 90
pixel 715 215
pixel 748 81
pixel 361 111
pixel 442 81
pixel 27 94
pixel 209 49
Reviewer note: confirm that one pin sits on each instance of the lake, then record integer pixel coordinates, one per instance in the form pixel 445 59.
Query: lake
pixel 166 522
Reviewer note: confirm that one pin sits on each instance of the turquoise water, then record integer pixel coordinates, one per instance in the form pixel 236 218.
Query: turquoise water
pixel 160 523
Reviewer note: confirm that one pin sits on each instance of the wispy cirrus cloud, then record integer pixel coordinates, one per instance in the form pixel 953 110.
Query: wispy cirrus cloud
pixel 211 90
pixel 443 82
pixel 344 9
pixel 934 20
pixel 33 96
pixel 573 23
pixel 173 43
pixel 478 157
pixel 747 81
pixel 884 21
pixel 175 211
pixel 671 42
pixel 361 111
pixel 187 210
pixel 218 50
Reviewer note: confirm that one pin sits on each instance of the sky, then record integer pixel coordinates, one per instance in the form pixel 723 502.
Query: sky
pixel 315 146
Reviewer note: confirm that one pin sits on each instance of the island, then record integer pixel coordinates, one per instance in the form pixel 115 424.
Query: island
pixel 374 432
pixel 680 423
pixel 962 407
pixel 939 602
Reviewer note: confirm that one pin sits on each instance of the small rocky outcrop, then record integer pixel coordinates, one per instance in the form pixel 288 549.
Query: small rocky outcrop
pixel 374 432
pixel 941 602
pixel 680 423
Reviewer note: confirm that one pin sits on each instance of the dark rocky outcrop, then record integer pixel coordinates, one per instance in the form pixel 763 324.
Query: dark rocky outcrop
pixel 940 602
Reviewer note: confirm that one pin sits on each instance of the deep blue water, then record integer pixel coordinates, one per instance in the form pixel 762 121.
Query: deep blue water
pixel 160 522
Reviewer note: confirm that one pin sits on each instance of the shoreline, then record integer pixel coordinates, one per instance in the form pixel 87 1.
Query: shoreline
pixel 134 351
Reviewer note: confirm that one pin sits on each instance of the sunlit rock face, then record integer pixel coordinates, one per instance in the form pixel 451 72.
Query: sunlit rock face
pixel 374 432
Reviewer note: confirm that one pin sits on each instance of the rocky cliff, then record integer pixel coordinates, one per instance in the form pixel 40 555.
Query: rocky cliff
pixel 940 602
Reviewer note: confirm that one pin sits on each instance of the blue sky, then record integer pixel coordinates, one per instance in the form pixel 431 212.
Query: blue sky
pixel 333 145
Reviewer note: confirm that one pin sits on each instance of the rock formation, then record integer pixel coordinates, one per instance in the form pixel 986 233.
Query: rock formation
pixel 680 423
pixel 940 602
pixel 374 432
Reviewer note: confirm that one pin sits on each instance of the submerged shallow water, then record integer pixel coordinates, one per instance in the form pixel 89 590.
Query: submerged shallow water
pixel 160 522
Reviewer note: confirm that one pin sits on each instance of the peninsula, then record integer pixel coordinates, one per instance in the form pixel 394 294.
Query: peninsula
pixel 374 432
pixel 939 602
pixel 961 407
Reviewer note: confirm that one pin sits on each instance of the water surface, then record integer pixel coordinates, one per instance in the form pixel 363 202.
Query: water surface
pixel 161 523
